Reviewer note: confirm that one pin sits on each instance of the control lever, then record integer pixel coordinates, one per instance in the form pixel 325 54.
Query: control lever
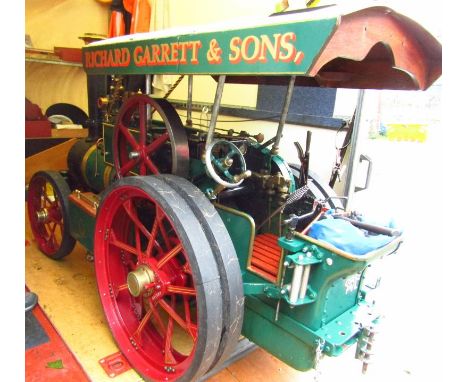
pixel 304 159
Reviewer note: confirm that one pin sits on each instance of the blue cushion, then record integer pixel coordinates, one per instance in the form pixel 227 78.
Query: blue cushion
pixel 343 235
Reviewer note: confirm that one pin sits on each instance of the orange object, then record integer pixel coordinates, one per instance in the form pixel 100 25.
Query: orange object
pixel 68 54
pixel 266 255
pixel 114 364
pixel 141 15
pixel 116 24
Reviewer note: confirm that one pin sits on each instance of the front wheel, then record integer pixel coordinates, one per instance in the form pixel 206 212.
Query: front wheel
pixel 158 280
pixel 49 214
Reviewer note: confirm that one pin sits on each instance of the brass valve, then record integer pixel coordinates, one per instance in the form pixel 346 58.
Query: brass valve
pixel 102 102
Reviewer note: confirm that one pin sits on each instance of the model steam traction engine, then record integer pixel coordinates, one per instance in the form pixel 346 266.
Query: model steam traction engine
pixel 201 236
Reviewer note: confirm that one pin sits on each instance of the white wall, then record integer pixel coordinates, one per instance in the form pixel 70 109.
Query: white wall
pixel 59 23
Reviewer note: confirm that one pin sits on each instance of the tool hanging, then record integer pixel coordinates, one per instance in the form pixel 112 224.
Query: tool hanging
pixel 341 151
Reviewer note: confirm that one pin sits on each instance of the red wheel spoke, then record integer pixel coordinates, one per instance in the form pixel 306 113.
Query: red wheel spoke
pixel 142 324
pixel 128 137
pixel 172 253
pixel 120 288
pixel 168 356
pixel 143 121
pixel 186 268
pixel 193 330
pixel 52 241
pixel 52 229
pixel 150 165
pixel 138 243
pixel 60 224
pixel 143 167
pixel 160 217
pixel 152 239
pixel 47 198
pixel 188 327
pixel 55 220
pixel 130 209
pixel 119 244
pixel 181 290
pixel 157 143
pixel 128 166
pixel 157 318
pixel 188 319
pixel 173 314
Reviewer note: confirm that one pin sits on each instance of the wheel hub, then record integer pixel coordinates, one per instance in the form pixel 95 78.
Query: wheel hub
pixel 42 215
pixel 138 280
pixel 134 155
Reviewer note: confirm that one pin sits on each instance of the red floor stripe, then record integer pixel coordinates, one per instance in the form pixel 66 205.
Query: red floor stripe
pixel 38 358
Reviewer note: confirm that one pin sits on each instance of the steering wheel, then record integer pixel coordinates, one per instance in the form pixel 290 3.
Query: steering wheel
pixel 219 166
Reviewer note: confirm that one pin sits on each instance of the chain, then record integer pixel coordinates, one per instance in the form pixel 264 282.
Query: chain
pixel 168 93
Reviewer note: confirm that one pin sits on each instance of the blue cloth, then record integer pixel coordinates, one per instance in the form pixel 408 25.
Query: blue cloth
pixel 343 235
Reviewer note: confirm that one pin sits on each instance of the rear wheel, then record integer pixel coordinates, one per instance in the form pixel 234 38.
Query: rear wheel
pixel 158 280
pixel 48 213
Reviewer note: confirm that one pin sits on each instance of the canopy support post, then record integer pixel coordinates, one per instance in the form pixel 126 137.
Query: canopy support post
pixel 189 100
pixel 215 110
pixel 148 84
pixel 284 114
pixel 148 91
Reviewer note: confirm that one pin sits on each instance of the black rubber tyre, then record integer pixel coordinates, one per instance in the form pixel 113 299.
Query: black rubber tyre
pixel 48 208
pixel 73 112
pixel 197 251
pixel 226 258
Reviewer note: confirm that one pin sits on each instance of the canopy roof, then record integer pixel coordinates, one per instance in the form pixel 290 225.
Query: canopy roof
pixel 371 48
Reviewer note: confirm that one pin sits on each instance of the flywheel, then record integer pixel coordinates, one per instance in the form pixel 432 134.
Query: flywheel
pixel 149 139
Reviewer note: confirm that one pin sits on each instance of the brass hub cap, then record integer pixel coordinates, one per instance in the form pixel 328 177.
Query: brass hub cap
pixel 42 216
pixel 138 279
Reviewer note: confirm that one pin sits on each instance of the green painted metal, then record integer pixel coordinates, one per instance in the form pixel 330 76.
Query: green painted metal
pixel 336 280
pixel 293 245
pixel 240 231
pixel 267 289
pixel 82 226
pixel 303 258
pixel 277 336
pixel 97 173
pixel 197 169
pixel 278 47
pixel 264 332
pixel 333 312
pixel 108 133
